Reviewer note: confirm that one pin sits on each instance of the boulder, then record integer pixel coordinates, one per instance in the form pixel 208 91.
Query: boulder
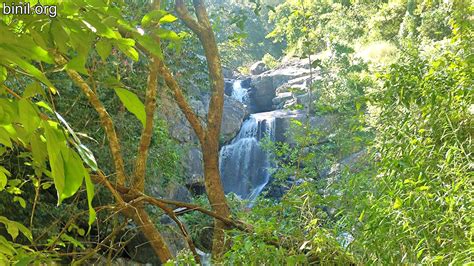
pixel 138 248
pixel 246 83
pixel 233 116
pixel 284 75
pixel 261 93
pixel 178 192
pixel 193 163
pixel 264 86
pixel 229 86
pixel 180 129
pixel 258 68
pixel 282 98
pixel 198 108
pixel 228 73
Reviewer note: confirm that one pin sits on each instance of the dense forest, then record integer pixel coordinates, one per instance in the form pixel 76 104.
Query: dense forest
pixel 236 132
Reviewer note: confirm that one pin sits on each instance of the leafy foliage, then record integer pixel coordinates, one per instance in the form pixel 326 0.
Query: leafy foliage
pixel 390 181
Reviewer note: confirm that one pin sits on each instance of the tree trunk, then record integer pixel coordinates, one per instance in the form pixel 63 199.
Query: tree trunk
pixel 208 135
pixel 146 226
pixel 215 194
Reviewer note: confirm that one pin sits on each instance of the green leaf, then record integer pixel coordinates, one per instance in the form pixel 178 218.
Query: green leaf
pixel 39 150
pixel 6 247
pixel 13 229
pixel 90 197
pixel 150 44
pixel 78 64
pixel 44 105
pixel 28 116
pixel 5 138
pixel 72 240
pixel 361 216
pixel 167 35
pixel 133 104
pixel 102 29
pixel 125 41
pixel 26 66
pixel 129 51
pixel 168 18
pixel 154 15
pixel 103 48
pixel 60 36
pixel 55 142
pixel 20 200
pixel 87 156
pixel 3 74
pixel 397 203
pixel 3 177
pixel 73 173
pixel 32 89
pixel 84 152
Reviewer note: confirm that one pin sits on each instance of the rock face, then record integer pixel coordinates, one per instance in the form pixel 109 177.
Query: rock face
pixel 228 73
pixel 278 88
pixel 258 68
pixel 139 249
pixel 234 114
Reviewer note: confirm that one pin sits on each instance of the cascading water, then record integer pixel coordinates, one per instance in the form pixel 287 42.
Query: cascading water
pixel 239 93
pixel 243 164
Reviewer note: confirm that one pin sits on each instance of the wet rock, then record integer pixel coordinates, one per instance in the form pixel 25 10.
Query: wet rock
pixel 246 83
pixel 229 83
pixel 262 93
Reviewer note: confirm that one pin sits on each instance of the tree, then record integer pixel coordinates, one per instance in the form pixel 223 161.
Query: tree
pixel 65 42
pixel 208 135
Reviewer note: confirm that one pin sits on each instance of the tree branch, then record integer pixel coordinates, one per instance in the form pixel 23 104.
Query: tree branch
pixel 147 132
pixel 181 226
pixel 186 17
pixel 183 103
pixel 105 119
pixel 216 78
pixel 132 196
pixel 201 13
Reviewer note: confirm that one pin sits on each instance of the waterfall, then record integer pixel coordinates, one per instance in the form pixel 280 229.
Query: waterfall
pixel 243 164
pixel 239 93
